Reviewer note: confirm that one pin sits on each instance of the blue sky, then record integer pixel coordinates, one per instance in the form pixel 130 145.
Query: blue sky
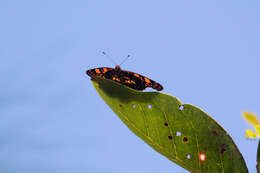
pixel 52 120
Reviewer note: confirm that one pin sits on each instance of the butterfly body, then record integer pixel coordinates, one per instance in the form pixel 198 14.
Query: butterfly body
pixel 127 78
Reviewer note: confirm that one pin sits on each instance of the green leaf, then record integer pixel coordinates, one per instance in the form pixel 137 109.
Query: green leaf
pixel 182 135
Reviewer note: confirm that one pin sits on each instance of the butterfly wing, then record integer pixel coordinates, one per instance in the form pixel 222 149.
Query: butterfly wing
pixel 139 82
pixel 127 78
pixel 103 72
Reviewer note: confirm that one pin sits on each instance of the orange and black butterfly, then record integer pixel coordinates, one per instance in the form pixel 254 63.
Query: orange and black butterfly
pixel 127 78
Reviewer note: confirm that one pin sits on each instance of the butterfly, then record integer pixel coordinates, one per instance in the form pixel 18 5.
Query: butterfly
pixel 127 78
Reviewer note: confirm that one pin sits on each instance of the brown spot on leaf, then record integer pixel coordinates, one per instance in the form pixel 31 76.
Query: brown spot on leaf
pixel 185 139
pixel 215 133
pixel 223 148
pixel 120 105
pixel 165 124
pixel 170 137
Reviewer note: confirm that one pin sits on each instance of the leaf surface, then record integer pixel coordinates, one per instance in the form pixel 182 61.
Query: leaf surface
pixel 181 132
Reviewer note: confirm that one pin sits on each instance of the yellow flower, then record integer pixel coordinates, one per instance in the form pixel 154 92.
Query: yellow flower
pixel 252 120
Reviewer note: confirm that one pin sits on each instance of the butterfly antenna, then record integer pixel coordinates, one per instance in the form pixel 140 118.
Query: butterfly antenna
pixel 104 53
pixel 124 60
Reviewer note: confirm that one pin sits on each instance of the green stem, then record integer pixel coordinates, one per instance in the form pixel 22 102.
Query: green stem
pixel 258 158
